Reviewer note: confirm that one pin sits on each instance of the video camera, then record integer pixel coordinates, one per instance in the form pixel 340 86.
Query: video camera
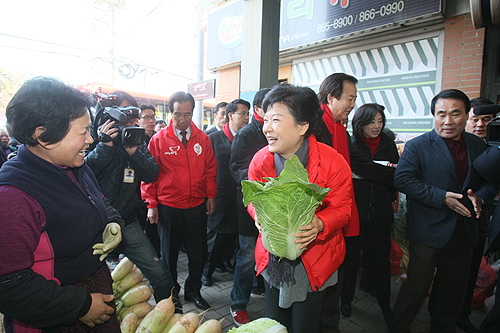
pixel 493 128
pixel 106 109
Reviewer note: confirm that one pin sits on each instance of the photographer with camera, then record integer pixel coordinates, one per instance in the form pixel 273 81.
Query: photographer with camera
pixel 120 161
pixel 487 165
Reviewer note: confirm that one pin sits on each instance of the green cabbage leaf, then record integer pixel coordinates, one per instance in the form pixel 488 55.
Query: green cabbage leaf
pixel 261 325
pixel 283 205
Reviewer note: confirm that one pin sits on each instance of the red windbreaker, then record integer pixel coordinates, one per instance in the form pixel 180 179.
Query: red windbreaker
pixel 326 168
pixel 187 175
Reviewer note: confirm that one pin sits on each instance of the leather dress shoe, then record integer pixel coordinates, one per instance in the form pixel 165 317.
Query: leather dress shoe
pixel 466 326
pixel 387 315
pixel 198 301
pixel 206 281
pixel 345 309
pixel 229 267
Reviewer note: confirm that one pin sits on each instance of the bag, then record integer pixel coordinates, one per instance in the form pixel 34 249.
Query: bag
pixel 485 282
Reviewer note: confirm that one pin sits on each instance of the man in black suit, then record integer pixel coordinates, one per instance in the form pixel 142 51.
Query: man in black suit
pixel 246 143
pixel 219 118
pixel 222 226
pixel 445 196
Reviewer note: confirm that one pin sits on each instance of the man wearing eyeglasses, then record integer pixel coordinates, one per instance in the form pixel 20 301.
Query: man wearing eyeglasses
pixel 147 120
pixel 183 194
pixel 223 224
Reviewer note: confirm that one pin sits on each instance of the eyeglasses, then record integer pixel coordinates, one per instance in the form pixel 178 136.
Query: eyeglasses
pixel 243 114
pixel 149 117
pixel 178 116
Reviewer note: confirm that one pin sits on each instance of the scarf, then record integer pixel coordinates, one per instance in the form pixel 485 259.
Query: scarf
pixel 258 118
pixel 227 131
pixel 338 133
pixel 373 144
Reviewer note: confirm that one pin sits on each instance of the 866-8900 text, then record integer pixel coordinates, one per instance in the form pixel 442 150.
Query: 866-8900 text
pixel 363 16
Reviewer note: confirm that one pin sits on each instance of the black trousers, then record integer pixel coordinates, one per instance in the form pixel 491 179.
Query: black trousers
pixel 187 226
pixel 330 314
pixel 351 267
pixel 477 256
pixel 301 316
pixel 375 262
pixel 220 249
pixel 453 263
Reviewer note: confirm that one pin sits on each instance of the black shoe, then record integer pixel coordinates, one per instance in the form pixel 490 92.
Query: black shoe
pixel 466 326
pixel 221 268
pixel 206 281
pixel 345 309
pixel 198 301
pixel 229 267
pixel 387 315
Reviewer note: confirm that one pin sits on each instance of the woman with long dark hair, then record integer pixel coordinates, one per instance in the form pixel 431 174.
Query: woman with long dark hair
pixel 375 197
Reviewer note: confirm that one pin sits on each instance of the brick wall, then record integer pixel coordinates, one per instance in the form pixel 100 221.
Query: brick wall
pixel 463 55
pixel 227 85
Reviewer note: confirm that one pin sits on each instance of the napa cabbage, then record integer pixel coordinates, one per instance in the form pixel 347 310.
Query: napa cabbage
pixel 283 205
pixel 261 325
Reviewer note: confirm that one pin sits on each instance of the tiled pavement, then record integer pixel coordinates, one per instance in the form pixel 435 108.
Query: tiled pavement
pixel 366 316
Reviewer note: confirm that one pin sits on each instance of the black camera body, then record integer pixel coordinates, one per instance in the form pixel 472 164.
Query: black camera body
pixel 107 110
pixel 493 128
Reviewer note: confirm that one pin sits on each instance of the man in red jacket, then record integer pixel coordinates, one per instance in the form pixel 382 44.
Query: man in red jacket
pixel 183 194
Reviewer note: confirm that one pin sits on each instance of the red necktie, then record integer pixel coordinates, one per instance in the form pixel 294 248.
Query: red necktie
pixel 184 140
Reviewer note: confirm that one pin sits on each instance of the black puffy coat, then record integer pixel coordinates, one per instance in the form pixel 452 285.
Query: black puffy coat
pixel 109 164
pixel 375 192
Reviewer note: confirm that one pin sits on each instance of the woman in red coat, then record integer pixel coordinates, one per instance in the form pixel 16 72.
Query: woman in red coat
pixel 295 289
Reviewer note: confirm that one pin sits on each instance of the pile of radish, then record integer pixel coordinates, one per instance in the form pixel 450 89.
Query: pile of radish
pixel 137 315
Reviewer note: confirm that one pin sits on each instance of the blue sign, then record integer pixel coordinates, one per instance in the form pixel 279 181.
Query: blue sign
pixel 308 21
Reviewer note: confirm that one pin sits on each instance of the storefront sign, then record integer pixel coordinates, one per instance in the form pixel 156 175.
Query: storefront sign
pixel 308 21
pixel 202 90
pixel 225 33
pixel 401 77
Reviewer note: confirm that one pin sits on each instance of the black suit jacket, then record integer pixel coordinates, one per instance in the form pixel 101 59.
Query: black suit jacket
pixel 425 172
pixel 488 166
pixel 224 219
pixel 249 140
pixel 213 129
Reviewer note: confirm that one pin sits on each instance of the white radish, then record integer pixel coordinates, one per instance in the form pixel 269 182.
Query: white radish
pixel 188 323
pixel 144 323
pixel 163 311
pixel 137 294
pixel 129 323
pixel 140 309
pixel 175 318
pixel 210 326
pixel 132 278
pixel 122 269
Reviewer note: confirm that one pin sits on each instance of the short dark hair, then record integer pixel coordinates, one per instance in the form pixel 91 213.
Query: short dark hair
pixel 218 106
pixel 147 107
pixel 123 96
pixel 454 94
pixel 180 97
pixel 47 102
pixel 160 121
pixel 364 116
pixel 334 85
pixel 302 102
pixel 233 106
pixel 259 97
pixel 478 101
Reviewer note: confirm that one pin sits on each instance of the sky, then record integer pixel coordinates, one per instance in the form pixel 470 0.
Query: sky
pixel 71 39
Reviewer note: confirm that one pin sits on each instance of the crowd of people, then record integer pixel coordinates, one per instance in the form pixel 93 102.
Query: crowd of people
pixel 71 200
